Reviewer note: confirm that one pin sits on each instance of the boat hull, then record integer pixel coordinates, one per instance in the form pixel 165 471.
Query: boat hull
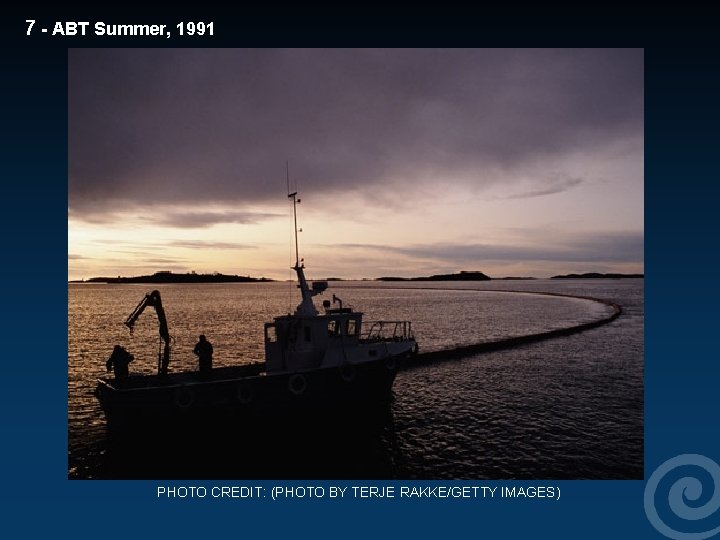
pixel 244 395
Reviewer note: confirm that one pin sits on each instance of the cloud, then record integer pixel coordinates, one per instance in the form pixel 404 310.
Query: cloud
pixel 587 247
pixel 208 219
pixel 94 216
pixel 150 249
pixel 202 126
pixel 158 260
pixel 199 244
pixel 552 186
pixel 170 216
pixel 136 250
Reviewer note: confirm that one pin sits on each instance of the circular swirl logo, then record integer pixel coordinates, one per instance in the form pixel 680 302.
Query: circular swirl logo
pixel 681 494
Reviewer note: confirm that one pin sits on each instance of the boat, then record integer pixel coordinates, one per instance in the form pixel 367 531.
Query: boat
pixel 317 362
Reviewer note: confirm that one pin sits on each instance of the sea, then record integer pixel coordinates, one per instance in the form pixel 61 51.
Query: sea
pixel 569 407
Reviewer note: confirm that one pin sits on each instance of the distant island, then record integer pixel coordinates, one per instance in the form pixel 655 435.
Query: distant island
pixel 462 276
pixel 466 275
pixel 596 275
pixel 170 277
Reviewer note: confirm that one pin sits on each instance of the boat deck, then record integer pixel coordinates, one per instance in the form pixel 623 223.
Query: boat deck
pixel 185 377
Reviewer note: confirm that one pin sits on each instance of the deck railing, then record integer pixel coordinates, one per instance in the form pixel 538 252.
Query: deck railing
pixel 387 330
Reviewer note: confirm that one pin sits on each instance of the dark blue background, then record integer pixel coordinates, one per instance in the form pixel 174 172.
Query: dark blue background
pixel 682 296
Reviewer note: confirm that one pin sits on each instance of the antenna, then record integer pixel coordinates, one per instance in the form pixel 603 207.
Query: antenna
pixel 287 173
pixel 295 202
pixel 306 307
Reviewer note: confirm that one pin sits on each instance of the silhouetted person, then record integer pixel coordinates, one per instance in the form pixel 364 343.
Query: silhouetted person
pixel 204 350
pixel 118 361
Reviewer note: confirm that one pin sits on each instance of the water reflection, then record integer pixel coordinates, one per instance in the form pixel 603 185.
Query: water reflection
pixel 566 408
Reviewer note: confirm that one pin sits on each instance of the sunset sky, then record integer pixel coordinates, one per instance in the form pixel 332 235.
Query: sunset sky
pixel 408 162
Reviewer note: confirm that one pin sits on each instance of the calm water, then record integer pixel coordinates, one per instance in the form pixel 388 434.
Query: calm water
pixel 564 408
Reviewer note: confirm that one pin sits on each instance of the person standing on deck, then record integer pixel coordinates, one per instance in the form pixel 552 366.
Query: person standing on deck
pixel 118 361
pixel 204 351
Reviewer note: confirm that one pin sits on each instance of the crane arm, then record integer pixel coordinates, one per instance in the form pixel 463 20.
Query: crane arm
pixel 151 299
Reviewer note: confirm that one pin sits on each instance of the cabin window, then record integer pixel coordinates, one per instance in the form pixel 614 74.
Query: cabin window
pixel 332 328
pixel 351 327
pixel 308 334
pixel 270 334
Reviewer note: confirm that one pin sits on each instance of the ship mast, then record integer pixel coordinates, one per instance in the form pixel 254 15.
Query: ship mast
pixel 295 201
pixel 306 307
